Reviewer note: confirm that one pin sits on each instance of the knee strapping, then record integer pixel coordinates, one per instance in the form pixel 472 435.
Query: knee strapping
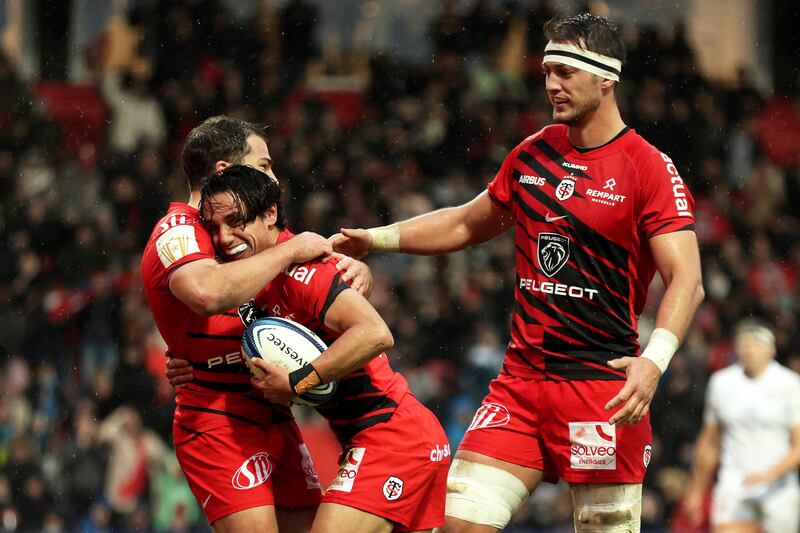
pixel 483 494
pixel 611 508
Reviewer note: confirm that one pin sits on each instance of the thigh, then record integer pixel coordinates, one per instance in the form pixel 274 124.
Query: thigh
pixel 295 519
pixel 234 468
pixel 531 477
pixel 583 445
pixel 338 518
pixel 506 427
pixel 396 470
pixel 781 510
pixel 253 520
pixel 731 510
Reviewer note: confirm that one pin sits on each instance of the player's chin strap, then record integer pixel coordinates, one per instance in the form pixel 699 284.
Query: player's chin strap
pixel 575 56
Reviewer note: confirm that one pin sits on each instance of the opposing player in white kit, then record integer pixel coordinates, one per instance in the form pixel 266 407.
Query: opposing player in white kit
pixel 752 430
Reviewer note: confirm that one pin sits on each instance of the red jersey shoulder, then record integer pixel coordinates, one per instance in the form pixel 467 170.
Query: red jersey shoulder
pixel 180 236
pixel 302 291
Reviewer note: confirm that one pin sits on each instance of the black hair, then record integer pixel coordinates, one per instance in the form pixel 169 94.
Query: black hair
pixel 588 31
pixel 218 138
pixel 253 193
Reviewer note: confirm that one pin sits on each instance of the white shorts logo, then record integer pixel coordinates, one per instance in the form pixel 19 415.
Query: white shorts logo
pixel 490 415
pixel 348 470
pixel 648 453
pixel 393 488
pixel 312 481
pixel 253 472
pixel 593 445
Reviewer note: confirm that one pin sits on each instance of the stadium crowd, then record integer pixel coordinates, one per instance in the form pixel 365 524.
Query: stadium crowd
pixel 85 412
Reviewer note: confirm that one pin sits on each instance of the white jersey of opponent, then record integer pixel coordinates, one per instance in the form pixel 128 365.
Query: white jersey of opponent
pixel 755 417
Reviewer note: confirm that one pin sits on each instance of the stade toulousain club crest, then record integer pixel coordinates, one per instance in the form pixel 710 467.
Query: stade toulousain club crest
pixel 566 188
pixel 553 252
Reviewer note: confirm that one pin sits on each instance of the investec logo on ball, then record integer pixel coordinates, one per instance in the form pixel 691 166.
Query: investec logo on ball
pixel 253 472
pixel 490 415
pixel 593 446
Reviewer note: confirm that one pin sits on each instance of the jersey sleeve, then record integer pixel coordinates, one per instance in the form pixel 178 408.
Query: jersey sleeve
pixel 501 187
pixel 666 203
pixel 711 411
pixel 182 239
pixel 794 402
pixel 314 286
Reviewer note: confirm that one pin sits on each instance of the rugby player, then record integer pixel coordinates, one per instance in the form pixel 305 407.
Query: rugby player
pixel 395 453
pixel 243 457
pixel 597 212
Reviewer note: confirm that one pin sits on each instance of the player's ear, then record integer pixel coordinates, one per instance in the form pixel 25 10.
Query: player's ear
pixel 220 165
pixel 271 216
pixel 607 85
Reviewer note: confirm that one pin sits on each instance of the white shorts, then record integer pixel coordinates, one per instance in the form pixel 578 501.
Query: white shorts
pixel 775 507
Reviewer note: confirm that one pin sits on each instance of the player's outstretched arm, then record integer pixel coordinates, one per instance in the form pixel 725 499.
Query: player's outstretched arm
pixel 706 457
pixel 208 287
pixel 441 231
pixel 677 258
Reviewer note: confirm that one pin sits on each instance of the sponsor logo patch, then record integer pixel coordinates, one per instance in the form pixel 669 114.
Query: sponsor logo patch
pixel 253 472
pixel 647 455
pixel 348 470
pixel 553 252
pixel 175 243
pixel 440 453
pixel 490 415
pixel 567 164
pixel 393 488
pixel 593 445
pixel 526 179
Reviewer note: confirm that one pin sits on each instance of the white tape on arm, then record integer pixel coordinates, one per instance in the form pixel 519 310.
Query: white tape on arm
pixel 662 346
pixel 385 238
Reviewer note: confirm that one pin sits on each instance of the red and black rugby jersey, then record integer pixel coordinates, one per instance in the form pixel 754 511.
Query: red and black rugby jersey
pixel 583 221
pixel 304 293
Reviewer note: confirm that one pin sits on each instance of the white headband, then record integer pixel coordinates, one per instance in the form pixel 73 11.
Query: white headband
pixel 759 332
pixel 575 56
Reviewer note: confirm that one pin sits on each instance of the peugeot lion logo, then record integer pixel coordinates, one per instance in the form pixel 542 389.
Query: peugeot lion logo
pixel 553 252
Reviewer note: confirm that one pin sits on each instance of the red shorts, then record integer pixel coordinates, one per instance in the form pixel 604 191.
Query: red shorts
pixel 397 469
pixel 240 466
pixel 560 428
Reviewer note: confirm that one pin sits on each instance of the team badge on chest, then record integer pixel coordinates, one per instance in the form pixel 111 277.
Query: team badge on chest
pixel 566 188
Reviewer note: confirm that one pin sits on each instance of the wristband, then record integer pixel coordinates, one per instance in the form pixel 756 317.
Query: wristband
pixel 304 378
pixel 662 346
pixel 385 238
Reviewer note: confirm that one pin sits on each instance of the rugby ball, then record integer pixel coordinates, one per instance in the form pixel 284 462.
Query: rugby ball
pixel 289 345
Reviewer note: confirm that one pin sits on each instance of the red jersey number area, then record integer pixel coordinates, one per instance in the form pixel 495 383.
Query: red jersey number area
pixel 241 466
pixel 397 469
pixel 561 428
